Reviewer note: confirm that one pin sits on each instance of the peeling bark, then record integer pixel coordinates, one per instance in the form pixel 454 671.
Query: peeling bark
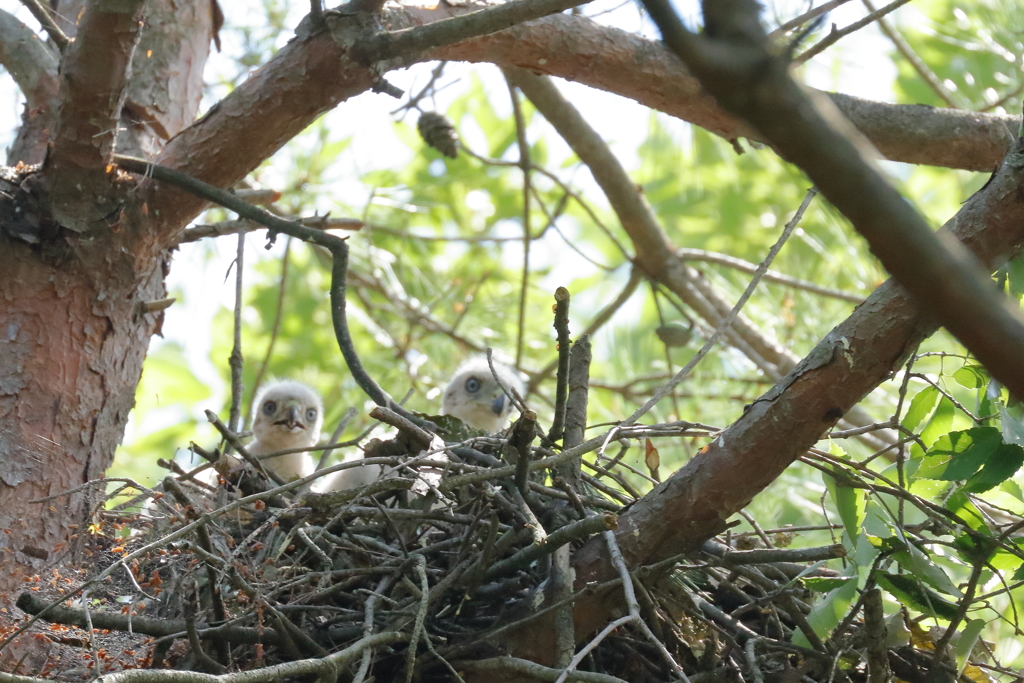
pixel 72 341
pixel 72 332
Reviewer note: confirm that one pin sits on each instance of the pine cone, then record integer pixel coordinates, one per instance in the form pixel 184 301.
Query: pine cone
pixel 438 132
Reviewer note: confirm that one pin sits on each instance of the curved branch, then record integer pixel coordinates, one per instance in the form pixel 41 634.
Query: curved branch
pixel 312 74
pixel 579 50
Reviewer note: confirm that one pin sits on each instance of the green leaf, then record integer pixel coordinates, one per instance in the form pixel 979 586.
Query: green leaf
pixel 922 404
pixel 1002 464
pixel 971 377
pixel 1015 276
pixel 915 561
pixel 850 502
pixel 958 455
pixel 824 584
pixel 912 593
pixel 1012 418
pixel 961 505
pixel 826 615
pixel 941 422
pixel 969 635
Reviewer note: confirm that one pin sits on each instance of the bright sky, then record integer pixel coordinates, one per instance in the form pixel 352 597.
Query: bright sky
pixel 857 65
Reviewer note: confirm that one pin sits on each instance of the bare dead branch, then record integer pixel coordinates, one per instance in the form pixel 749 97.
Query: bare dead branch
pixel 563 344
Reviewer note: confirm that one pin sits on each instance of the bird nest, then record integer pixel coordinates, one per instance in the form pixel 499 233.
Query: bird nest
pixel 386 583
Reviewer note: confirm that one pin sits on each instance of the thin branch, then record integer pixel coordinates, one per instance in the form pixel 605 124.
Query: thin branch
pixel 514 665
pixel 525 167
pixel 903 47
pixel 42 15
pixel 275 327
pixel 597 323
pixel 728 320
pixel 563 344
pixel 833 37
pixel 654 253
pixel 770 276
pixel 336 245
pixel 235 359
pixel 383 46
pixel 234 227
pixel 807 16
pixel 576 405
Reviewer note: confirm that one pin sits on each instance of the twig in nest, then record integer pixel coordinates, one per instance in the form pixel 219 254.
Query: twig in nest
pixel 567 534
pixel 561 326
pixel 576 406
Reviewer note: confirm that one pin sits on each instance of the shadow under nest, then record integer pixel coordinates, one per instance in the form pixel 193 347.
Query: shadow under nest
pixel 354 577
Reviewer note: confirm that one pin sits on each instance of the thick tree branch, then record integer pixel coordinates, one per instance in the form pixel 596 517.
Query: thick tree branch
pixel 695 502
pixel 580 50
pixel 30 61
pixel 33 65
pixel 94 79
pixel 311 75
pixel 735 63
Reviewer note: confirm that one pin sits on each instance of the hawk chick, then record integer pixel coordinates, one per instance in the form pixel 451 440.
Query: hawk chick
pixel 475 398
pixel 288 415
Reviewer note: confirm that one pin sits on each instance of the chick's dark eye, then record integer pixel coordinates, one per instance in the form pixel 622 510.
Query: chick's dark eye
pixel 311 414
pixel 269 407
pixel 472 385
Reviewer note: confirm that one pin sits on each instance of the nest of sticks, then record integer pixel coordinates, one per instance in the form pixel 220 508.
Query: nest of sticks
pixel 422 575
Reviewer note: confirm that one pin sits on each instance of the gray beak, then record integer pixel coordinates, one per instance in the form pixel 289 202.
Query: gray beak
pixel 292 417
pixel 498 405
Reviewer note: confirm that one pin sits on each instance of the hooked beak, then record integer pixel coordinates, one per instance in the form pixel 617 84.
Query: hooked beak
pixel 498 405
pixel 291 418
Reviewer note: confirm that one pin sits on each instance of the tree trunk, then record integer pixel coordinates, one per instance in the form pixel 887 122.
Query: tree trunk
pixel 73 331
pixel 71 349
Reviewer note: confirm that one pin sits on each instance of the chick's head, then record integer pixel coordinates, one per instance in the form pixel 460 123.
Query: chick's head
pixel 288 415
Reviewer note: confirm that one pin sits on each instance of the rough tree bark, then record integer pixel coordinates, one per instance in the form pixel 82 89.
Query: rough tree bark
pixel 74 329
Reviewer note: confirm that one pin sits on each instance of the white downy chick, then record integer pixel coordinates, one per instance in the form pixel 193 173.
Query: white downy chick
pixel 352 478
pixel 288 415
pixel 472 396
pixel 475 398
